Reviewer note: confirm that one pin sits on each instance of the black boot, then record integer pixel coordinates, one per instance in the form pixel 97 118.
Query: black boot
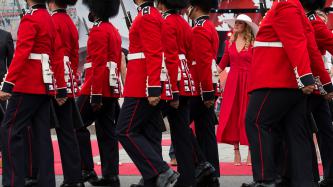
pixel 203 171
pixel 259 184
pixel 167 178
pixel 140 184
pixel 89 176
pixel 107 181
pixel 30 182
pixel 79 184
pixel 326 183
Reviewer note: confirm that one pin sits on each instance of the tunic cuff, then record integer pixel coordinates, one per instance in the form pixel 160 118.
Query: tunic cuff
pixel 154 91
pixel 7 87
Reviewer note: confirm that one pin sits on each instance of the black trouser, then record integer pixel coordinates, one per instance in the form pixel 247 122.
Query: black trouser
pixel 322 116
pixel 138 137
pixel 205 121
pixel 181 136
pixel 21 111
pixel 268 109
pixel 105 132
pixel 68 144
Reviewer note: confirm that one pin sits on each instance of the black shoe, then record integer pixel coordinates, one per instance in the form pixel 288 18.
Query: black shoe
pixel 107 181
pixel 140 184
pixel 30 182
pixel 202 171
pixel 259 184
pixel 213 182
pixel 326 183
pixel 80 184
pixel 88 176
pixel 167 178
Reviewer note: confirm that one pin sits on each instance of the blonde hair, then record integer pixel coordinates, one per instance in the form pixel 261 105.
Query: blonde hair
pixel 248 36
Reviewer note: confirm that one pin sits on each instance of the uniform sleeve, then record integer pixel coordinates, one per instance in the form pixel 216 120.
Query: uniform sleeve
pixel 324 37
pixel 226 58
pixel 98 46
pixel 10 50
pixel 203 58
pixel 170 48
pixel 289 18
pixel 150 34
pixel 25 40
pixel 57 64
pixel 317 63
pixel 75 55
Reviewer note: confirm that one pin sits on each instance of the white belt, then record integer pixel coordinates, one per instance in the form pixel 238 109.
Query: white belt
pixel 267 44
pixel 135 56
pixel 108 65
pixel 35 56
pixel 182 57
pixel 66 59
pixel 46 70
pixel 87 65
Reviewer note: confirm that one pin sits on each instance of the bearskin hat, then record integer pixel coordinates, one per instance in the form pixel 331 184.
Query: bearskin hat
pixel 175 4
pixel 64 3
pixel 205 5
pixel 313 4
pixel 40 1
pixel 103 9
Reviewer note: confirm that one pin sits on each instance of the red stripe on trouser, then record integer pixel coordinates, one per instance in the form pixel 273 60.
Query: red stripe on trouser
pixel 259 135
pixel 8 145
pixel 135 145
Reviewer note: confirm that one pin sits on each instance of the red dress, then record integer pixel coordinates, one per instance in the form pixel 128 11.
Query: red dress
pixel 231 128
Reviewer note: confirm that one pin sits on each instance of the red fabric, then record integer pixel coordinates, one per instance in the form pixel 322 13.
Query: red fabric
pixel 145 36
pixel 36 34
pixel 324 36
pixel 176 40
pixel 317 63
pixel 274 67
pixel 104 45
pixel 70 47
pixel 231 128
pixel 205 44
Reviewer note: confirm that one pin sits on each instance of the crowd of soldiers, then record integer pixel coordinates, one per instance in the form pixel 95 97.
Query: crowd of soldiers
pixel 171 72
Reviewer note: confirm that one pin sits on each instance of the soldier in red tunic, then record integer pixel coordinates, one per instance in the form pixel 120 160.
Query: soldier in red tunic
pixel 68 52
pixel 27 86
pixel 100 92
pixel 319 106
pixel 278 92
pixel 205 42
pixel 176 43
pixel 142 94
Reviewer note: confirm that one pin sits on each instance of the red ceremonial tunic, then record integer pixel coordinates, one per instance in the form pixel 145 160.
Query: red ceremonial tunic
pixel 176 40
pixel 287 66
pixel 36 34
pixel 231 128
pixel 205 43
pixel 103 63
pixel 145 54
pixel 69 50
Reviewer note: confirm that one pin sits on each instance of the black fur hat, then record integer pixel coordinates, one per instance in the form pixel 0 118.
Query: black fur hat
pixel 40 1
pixel 64 2
pixel 103 9
pixel 313 4
pixel 175 4
pixel 205 5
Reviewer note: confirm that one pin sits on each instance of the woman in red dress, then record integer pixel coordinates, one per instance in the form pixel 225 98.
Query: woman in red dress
pixel 237 54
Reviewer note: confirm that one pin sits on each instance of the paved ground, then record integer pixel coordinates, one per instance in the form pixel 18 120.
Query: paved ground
pixel 126 181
